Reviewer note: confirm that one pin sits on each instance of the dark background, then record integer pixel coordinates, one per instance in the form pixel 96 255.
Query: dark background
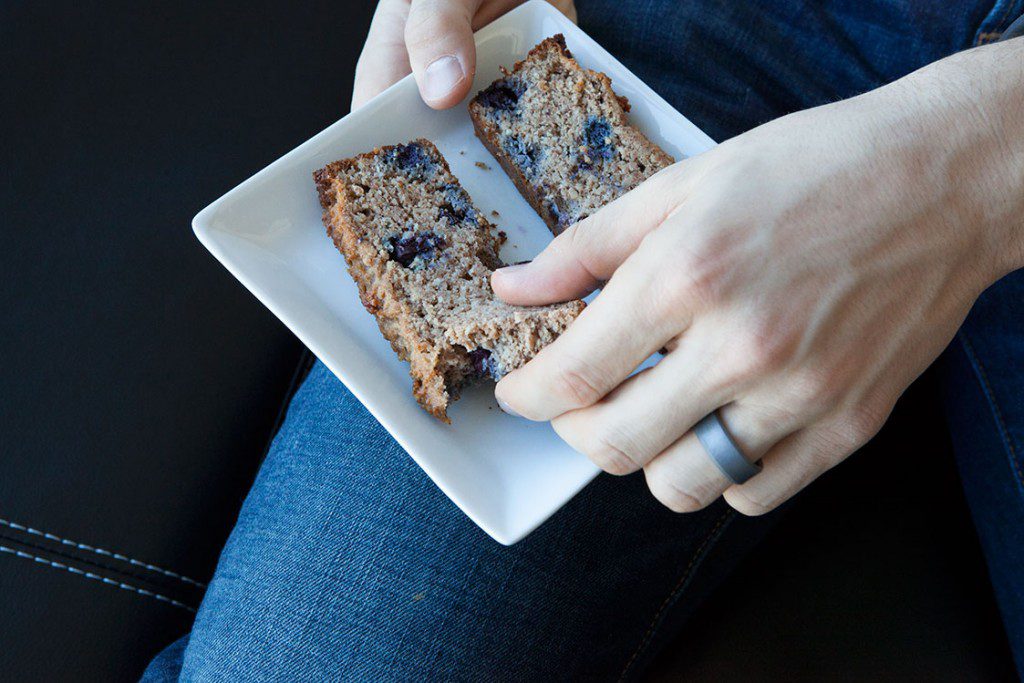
pixel 140 383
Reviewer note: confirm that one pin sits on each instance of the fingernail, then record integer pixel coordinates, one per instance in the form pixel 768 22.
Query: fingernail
pixel 512 268
pixel 441 76
pixel 507 408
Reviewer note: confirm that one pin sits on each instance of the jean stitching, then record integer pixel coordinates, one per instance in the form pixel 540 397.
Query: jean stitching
pixel 96 577
pixel 986 387
pixel 983 37
pixel 99 551
pixel 676 592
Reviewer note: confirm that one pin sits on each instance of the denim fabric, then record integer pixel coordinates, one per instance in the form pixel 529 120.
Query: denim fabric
pixel 984 379
pixel 348 564
pixel 729 66
pixel 167 666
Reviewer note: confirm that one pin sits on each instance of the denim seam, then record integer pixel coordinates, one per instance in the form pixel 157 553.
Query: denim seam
pixel 96 577
pixel 678 590
pixel 997 414
pixel 983 37
pixel 101 552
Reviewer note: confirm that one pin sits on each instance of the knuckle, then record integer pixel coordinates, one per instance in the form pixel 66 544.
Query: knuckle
pixel 758 351
pixel 672 495
pixel 574 238
pixel 575 386
pixel 815 390
pixel 574 244
pixel 864 422
pixel 612 453
pixel 750 504
pixel 669 293
pixel 857 426
pixel 822 457
pixel 425 25
pixel 685 284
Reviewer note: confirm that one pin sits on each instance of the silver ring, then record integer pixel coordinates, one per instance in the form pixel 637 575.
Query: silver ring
pixel 723 450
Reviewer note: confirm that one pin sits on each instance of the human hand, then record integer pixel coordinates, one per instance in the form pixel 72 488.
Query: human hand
pixel 432 39
pixel 800 276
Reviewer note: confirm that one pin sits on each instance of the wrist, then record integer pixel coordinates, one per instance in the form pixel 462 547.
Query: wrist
pixel 965 112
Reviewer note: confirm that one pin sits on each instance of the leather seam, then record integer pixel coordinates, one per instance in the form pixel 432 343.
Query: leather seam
pixel 96 577
pixel 101 552
pixel 57 554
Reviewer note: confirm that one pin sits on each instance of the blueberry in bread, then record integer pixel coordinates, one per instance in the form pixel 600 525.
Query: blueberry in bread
pixel 562 135
pixel 422 255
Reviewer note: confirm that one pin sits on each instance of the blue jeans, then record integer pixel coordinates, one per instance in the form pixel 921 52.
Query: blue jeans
pixel 347 563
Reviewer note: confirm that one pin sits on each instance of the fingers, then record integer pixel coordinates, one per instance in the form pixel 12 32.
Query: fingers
pixel 442 54
pixel 637 313
pixel 384 59
pixel 685 478
pixel 432 39
pixel 589 252
pixel 801 458
pixel 606 343
pixel 647 413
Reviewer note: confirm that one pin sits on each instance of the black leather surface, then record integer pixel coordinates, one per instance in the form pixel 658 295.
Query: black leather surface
pixel 140 382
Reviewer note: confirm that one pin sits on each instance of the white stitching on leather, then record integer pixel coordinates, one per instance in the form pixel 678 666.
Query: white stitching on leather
pixel 96 577
pixel 100 551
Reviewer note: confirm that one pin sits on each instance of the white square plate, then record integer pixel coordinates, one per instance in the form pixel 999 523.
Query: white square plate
pixel 507 474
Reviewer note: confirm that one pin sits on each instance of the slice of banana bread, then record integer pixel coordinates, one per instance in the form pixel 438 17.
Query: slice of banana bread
pixel 422 256
pixel 562 135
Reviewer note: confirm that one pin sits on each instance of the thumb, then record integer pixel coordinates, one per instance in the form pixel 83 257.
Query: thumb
pixel 439 38
pixel 578 260
pixel 384 59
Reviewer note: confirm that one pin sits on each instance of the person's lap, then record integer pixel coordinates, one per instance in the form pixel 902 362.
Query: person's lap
pixel 346 560
pixel 983 374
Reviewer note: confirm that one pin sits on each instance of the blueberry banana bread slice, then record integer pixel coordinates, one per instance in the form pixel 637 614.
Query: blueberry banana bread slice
pixel 562 135
pixel 422 256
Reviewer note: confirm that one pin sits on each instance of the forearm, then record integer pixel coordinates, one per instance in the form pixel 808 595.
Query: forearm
pixel 968 112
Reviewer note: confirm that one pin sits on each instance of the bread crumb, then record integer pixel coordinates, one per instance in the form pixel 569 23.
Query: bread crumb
pixel 495 214
pixel 482 165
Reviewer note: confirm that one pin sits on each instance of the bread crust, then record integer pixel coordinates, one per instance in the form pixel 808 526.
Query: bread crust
pixel 490 135
pixel 438 361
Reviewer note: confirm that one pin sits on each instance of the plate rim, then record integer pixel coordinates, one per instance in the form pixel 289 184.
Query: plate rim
pixel 204 227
